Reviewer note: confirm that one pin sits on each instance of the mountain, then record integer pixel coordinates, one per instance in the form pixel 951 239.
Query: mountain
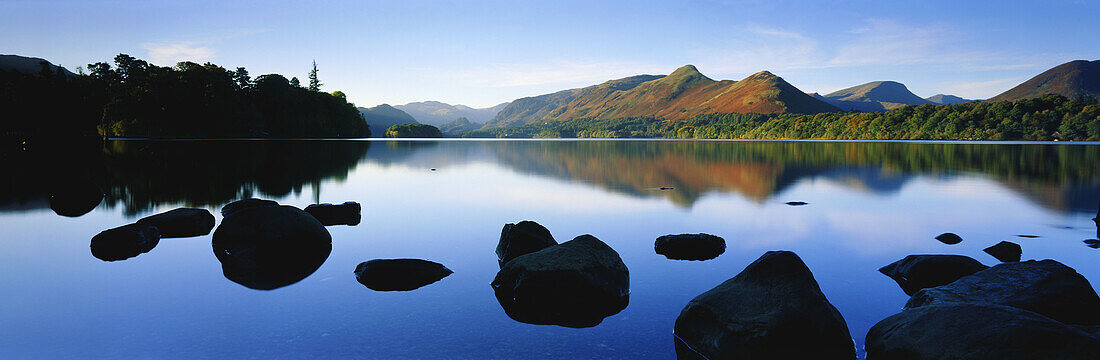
pixel 28 65
pixel 942 99
pixel 874 96
pixel 459 125
pixel 680 95
pixel 438 113
pixel 1072 79
pixel 383 116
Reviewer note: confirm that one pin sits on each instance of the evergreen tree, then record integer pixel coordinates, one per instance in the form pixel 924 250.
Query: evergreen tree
pixel 294 82
pixel 314 84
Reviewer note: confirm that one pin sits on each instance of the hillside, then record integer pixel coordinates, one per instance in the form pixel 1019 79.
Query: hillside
pixel 28 65
pixel 874 96
pixel 943 99
pixel 681 95
pixel 459 125
pixel 1072 79
pixel 382 117
pixel 439 113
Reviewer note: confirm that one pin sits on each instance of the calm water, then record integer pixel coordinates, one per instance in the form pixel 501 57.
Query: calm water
pixel 869 204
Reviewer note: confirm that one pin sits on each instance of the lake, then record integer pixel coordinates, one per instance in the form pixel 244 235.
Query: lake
pixel 868 204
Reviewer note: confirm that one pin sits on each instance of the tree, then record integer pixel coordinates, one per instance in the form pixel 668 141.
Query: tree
pixel 294 82
pixel 314 84
pixel 240 76
pixel 340 94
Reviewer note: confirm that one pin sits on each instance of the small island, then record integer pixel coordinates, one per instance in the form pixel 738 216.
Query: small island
pixel 413 131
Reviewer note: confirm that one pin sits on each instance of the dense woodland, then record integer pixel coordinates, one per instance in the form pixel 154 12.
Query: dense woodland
pixel 1048 117
pixel 413 131
pixel 134 98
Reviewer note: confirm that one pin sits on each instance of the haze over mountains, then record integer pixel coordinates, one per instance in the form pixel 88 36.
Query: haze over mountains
pixel 438 113
pixel 1073 79
pixel 381 117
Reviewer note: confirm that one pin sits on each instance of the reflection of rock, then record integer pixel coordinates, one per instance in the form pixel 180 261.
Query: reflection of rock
pixel 949 238
pixel 1005 251
pixel 690 246
pixel 773 309
pixel 270 247
pixel 125 242
pixel 522 238
pixel 976 332
pixel 76 198
pixel 399 274
pixel 182 222
pixel 916 272
pixel 575 284
pixel 347 213
pixel 1046 287
pixel 242 204
pixel 1093 243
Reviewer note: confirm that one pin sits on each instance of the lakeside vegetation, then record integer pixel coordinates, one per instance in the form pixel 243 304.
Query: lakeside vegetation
pixel 413 131
pixel 1048 117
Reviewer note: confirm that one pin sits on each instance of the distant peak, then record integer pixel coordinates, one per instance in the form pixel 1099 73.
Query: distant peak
pixel 686 70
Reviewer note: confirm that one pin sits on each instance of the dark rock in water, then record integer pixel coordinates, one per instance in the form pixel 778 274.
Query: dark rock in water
pixel 575 284
pixel 1005 251
pixel 916 272
pixel 347 213
pixel 773 309
pixel 270 247
pixel 242 204
pixel 76 198
pixel 1093 243
pixel 1093 330
pixel 1045 287
pixel 125 242
pixel 399 274
pixel 949 238
pixel 665 188
pixel 690 246
pixel 1027 236
pixel 976 332
pixel 522 238
pixel 182 222
pixel 797 203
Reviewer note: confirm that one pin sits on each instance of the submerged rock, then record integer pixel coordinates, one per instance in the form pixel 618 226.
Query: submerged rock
pixel 399 274
pixel 1005 251
pixel 690 246
pixel 773 309
pixel 76 198
pixel 797 203
pixel 949 238
pixel 522 238
pixel 269 247
pixel 1045 287
pixel 575 284
pixel 347 213
pixel 242 204
pixel 124 242
pixel 182 222
pixel 976 332
pixel 916 272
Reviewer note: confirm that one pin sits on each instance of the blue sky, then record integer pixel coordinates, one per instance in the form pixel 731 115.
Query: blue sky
pixel 481 53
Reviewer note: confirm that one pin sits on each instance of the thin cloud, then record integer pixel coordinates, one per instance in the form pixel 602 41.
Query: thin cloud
pixel 171 53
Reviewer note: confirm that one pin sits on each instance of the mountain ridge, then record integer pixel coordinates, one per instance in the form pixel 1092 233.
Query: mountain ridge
pixel 1072 79
pixel 439 113
pixel 874 96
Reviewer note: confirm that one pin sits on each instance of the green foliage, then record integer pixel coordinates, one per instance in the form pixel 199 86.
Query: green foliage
pixel 314 83
pixel 413 131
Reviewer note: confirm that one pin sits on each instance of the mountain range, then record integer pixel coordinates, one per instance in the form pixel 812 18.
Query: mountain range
pixel 28 65
pixel 381 117
pixel 438 113
pixel 873 96
pixel 1073 79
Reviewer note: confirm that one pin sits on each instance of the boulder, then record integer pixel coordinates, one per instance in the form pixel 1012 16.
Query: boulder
pixel 916 272
pixel 797 203
pixel 399 274
pixel 124 242
pixel 347 213
pixel 575 284
pixel 1005 251
pixel 773 309
pixel 949 238
pixel 976 332
pixel 242 204
pixel 75 198
pixel 1045 287
pixel 522 238
pixel 182 222
pixel 690 246
pixel 269 247
pixel 1092 243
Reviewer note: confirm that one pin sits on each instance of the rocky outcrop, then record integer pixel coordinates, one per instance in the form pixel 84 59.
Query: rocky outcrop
pixel 348 213
pixel 399 274
pixel 575 284
pixel 267 247
pixel 916 272
pixel 690 246
pixel 1005 251
pixel 522 238
pixel 949 238
pixel 773 309
pixel 124 242
pixel 182 222
pixel 242 204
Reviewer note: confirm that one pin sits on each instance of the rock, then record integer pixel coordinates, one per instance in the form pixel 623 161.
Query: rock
pixel 1005 251
pixel 125 242
pixel 797 203
pixel 242 204
pixel 1092 243
pixel 949 238
pixel 269 247
pixel 666 188
pixel 399 274
pixel 522 238
pixel 182 222
pixel 1093 330
pixel 1045 287
pixel 976 332
pixel 575 284
pixel 347 213
pixel 76 198
pixel 916 272
pixel 773 309
pixel 690 246
pixel 1027 236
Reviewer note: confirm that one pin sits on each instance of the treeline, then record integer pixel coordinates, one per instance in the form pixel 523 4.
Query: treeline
pixel 134 98
pixel 1049 117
